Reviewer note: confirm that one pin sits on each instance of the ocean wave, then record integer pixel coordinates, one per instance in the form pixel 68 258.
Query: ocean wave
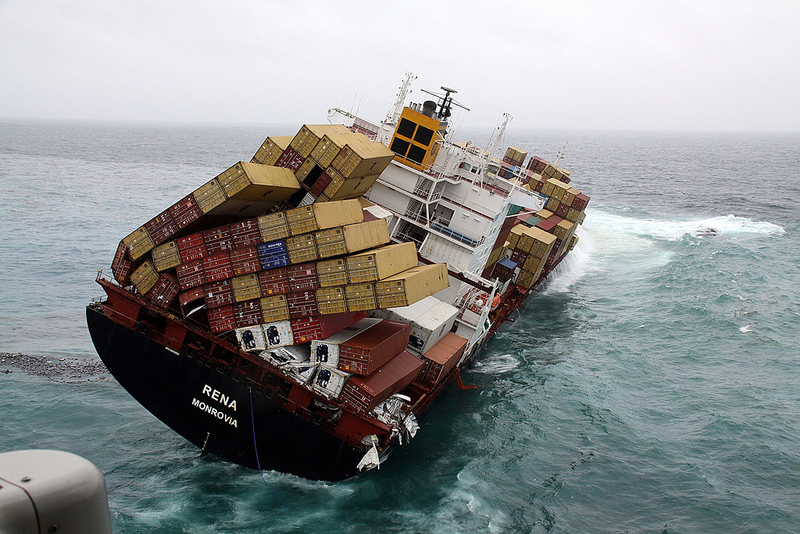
pixel 675 229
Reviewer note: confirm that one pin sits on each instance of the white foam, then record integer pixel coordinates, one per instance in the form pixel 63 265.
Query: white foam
pixel 746 328
pixel 502 363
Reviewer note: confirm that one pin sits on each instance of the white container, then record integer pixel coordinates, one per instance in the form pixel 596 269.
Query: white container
pixel 329 381
pixel 409 313
pixel 326 351
pixel 294 361
pixel 251 338
pixel 278 334
pixel 431 326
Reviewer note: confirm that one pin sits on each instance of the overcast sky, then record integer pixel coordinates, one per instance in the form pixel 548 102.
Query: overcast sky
pixel 679 65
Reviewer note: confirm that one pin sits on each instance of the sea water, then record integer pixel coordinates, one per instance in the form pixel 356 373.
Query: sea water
pixel 652 385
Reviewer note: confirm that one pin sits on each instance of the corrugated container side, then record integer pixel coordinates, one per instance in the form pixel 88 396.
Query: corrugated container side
pixel 442 358
pixel 245 233
pixel 191 247
pixel 381 263
pixel 247 313
pixel 326 351
pixel 273 282
pixel 273 254
pixel 185 211
pixel 301 220
pixel 332 272
pixel 290 159
pixel 245 260
pixel 431 326
pixel 274 308
pixel 302 277
pixel 218 293
pixel 331 300
pixel 322 182
pixel 411 285
pixel 190 274
pixel 144 277
pixel 361 297
pixel 302 304
pixel 329 381
pixel 330 242
pixel 139 243
pixel 353 187
pixel 165 256
pixel 187 297
pixel 217 267
pixel 372 348
pixel 301 248
pixel 209 196
pixel 221 319
pixel 337 213
pixel 307 329
pixel 121 266
pixel 366 235
pixel 580 202
pixel 363 393
pixel 246 287
pixel 161 227
pixel 218 239
pixel 278 334
pixel 271 149
pixel 273 226
pixel 164 291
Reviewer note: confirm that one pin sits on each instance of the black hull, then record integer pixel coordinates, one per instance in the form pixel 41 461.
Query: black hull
pixel 209 407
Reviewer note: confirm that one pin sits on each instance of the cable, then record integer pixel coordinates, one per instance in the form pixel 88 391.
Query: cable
pixel 255 446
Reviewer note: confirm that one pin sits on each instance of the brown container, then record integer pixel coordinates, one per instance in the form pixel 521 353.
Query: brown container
pixel 191 247
pixel 192 295
pixel 218 293
pixel 247 313
pixel 271 149
pixel 580 202
pixel 165 256
pixel 245 233
pixel 274 308
pixel 302 304
pixel 273 226
pixel 442 358
pixel 244 260
pixel 273 282
pixel 301 248
pixel 139 243
pixel 161 227
pixel 190 274
pixel 290 160
pixel 412 285
pixel 361 297
pixel 121 266
pixel 363 393
pixel 217 267
pixel 372 348
pixel 302 277
pixel 331 300
pixel 381 263
pixel 218 239
pixel 221 319
pixel 332 273
pixel 164 291
pixel 185 211
pixel 246 287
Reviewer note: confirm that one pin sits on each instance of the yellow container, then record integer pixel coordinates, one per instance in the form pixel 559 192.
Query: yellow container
pixel 412 285
pixel 360 297
pixel 331 300
pixel 165 256
pixel 331 242
pixel 301 248
pixel 209 196
pixel 353 187
pixel 553 204
pixel 139 243
pixel 332 272
pixel 271 149
pixel 246 287
pixel 274 308
pixel 525 279
pixel 542 242
pixel 514 234
pixel 145 277
pixel 310 134
pixel 251 181
pixel 273 226
pixel 381 263
pixel 362 158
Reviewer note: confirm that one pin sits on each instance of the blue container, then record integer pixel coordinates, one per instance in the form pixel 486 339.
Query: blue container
pixel 273 254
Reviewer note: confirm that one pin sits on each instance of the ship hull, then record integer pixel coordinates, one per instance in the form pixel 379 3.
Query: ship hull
pixel 211 407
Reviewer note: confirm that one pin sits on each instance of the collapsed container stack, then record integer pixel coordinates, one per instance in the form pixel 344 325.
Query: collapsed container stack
pixel 279 252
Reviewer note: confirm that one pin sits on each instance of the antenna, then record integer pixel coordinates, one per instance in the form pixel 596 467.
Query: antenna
pixel 445 102
pixel 560 154
pixel 397 108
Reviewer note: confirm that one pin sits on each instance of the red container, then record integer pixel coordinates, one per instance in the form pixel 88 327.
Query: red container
pixel 247 313
pixel 538 185
pixel 518 256
pixel 580 202
pixel 196 293
pixel 164 291
pixel 191 247
pixel 363 354
pixel 310 328
pixel 218 239
pixel 245 233
pixel 290 159
pixel 548 224
pixel 537 164
pixel 121 265
pixel 244 261
pixel 302 304
pixel 221 319
pixel 363 393
pixel 218 293
pixel 161 227
pixel 185 211
pixel 562 210
pixel 217 267
pixel 190 274
pixel 273 282
pixel 302 277
pixel 321 183
pixel 441 358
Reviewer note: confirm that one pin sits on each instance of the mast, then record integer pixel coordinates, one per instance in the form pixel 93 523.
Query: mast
pixel 393 115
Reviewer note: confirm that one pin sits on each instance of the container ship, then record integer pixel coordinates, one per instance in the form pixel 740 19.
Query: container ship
pixel 299 311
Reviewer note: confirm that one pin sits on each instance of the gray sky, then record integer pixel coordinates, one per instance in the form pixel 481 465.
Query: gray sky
pixel 679 65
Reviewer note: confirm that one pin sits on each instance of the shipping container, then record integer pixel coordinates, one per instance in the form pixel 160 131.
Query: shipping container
pixel 217 267
pixel 372 348
pixel 321 184
pixel 442 358
pixel 302 277
pixel 326 351
pixel 275 308
pixel 245 233
pixel 247 313
pixel 516 155
pixel 144 277
pixel 190 274
pixel 329 381
pixel 350 188
pixel 278 334
pixel 165 256
pixel 273 226
pixel 272 254
pixel 329 146
pixel 363 393
pixel 301 248
pixel 302 304
pixel 191 247
pixel 331 300
pixel 246 287
pixel 218 239
pixel 504 269
pixel 139 243
pixel 293 362
pixel 245 260
pixel 221 319
pixel 121 266
pixel 209 196
pixel 304 142
pixel 580 202
pixel 361 297
pixel 192 295
pixel 255 182
pixel 219 293
pixel 358 159
pixel 290 160
pixel 251 338
pixel 412 285
pixel 332 273
pixel 271 149
pixel 323 215
pixel 542 242
pixel 381 263
pixel 164 291
pixel 307 329
pixel 161 227
pixel 518 256
pixel 185 211
pixel 431 326
pixel 273 282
